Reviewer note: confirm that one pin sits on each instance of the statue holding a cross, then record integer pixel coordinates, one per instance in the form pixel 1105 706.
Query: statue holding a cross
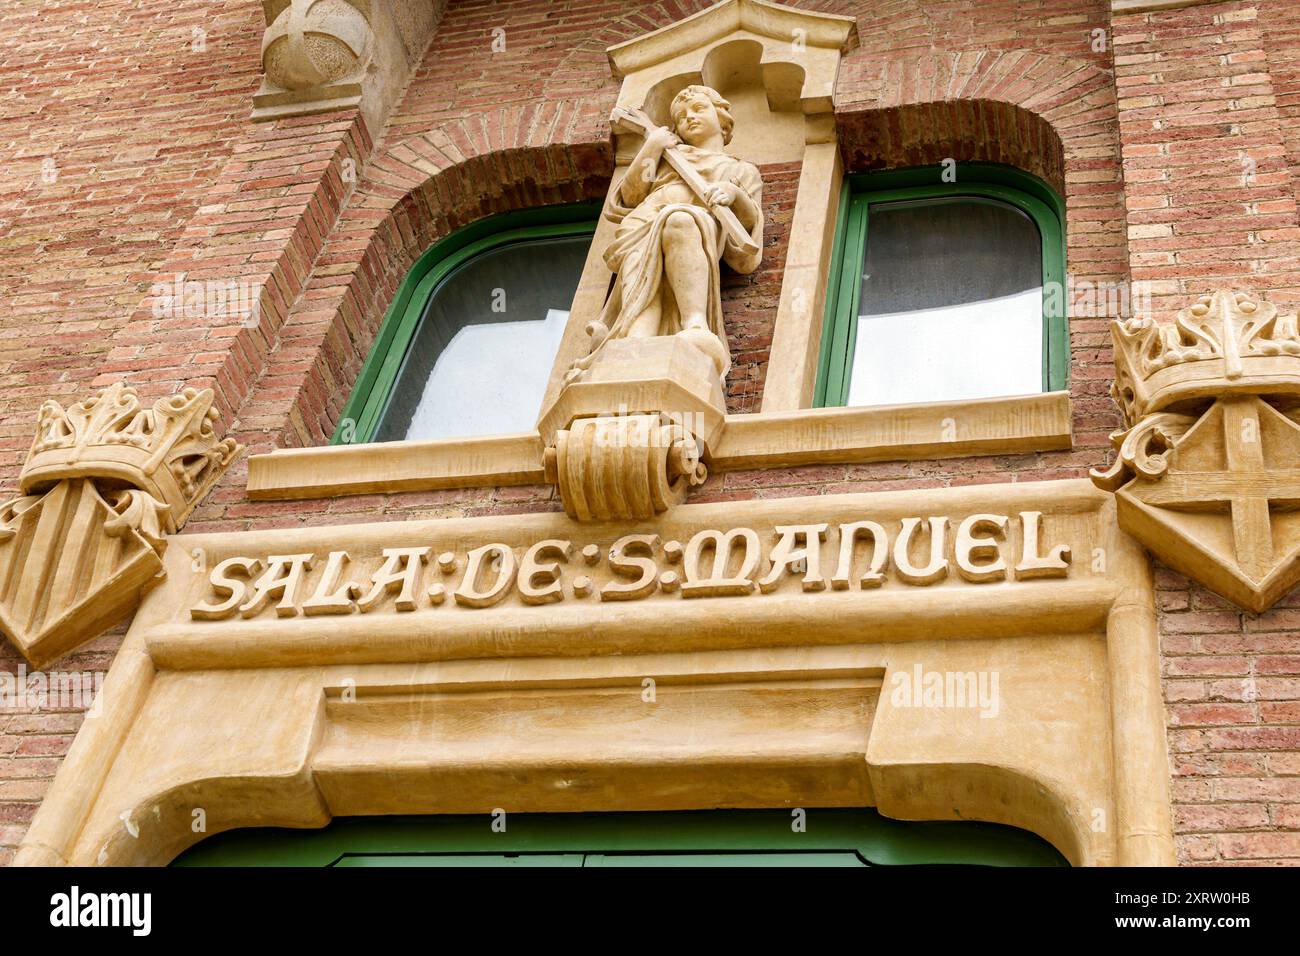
pixel 684 206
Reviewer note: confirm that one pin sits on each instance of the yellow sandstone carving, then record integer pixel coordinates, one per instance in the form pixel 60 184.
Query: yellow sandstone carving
pixel 106 481
pixel 659 346
pixel 714 563
pixel 1207 473
pixel 684 204
pixel 336 711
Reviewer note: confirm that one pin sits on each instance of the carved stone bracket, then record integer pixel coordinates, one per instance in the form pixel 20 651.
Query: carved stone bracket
pixel 106 480
pixel 1207 472
pixel 322 55
pixel 631 437
pixel 634 466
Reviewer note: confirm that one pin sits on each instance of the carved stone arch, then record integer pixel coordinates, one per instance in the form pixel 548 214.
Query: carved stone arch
pixel 159 826
pixel 1008 795
pixel 764 96
pixel 183 764
pixel 992 793
pixel 166 764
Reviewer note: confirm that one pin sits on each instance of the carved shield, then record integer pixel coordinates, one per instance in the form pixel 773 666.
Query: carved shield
pixel 1224 511
pixel 72 564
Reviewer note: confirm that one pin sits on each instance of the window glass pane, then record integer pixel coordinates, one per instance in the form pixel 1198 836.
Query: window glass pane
pixel 951 303
pixel 480 358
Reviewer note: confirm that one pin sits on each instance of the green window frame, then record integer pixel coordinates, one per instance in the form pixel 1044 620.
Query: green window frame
pixel 360 419
pixel 831 837
pixel 981 180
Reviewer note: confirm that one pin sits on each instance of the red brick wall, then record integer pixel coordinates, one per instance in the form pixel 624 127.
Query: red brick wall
pixel 186 184
pixel 749 302
pixel 1280 23
pixel 1232 686
pixel 137 123
pixel 1211 198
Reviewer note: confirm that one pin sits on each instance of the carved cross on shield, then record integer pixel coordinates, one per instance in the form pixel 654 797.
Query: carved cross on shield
pixel 1225 510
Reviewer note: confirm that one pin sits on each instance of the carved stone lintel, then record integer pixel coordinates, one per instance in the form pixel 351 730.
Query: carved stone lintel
pixel 106 480
pixel 1207 473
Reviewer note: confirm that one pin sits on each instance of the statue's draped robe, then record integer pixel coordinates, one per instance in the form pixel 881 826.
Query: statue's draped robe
pixel 636 252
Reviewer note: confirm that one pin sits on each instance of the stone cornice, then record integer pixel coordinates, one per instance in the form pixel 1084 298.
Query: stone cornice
pixel 759 17
pixel 770 440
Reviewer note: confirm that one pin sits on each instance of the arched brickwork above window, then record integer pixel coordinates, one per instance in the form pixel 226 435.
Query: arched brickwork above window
pixel 925 134
pixel 1044 114
pixel 417 192
pixel 1047 114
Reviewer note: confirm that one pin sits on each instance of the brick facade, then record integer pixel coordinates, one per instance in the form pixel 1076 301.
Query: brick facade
pixel 1173 141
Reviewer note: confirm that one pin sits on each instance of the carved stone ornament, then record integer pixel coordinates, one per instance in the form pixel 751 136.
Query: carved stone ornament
pixel 106 480
pixel 1207 473
pixel 323 55
pixel 703 104
pixel 632 466
pixel 658 352
pixel 314 51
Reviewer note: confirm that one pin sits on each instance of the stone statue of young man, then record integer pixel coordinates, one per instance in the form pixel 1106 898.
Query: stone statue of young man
pixel 670 234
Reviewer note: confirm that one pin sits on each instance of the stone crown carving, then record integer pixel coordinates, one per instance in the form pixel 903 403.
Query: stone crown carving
pixel 1227 343
pixel 169 450
pixel 106 481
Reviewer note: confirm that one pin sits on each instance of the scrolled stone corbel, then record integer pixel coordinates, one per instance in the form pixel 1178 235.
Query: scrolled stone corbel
pixel 624 467
pixel 105 482
pixel 1143 450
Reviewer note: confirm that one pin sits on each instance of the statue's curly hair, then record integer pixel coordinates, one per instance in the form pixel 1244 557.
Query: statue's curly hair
pixel 725 120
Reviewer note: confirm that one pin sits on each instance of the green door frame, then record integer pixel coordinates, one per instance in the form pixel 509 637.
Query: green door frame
pixel 703 837
pixel 360 419
pixel 978 180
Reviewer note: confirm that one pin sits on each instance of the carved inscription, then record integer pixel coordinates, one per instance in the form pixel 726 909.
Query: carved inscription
pixel 736 562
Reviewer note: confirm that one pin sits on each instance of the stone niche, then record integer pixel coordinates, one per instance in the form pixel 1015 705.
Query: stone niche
pixel 774 67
